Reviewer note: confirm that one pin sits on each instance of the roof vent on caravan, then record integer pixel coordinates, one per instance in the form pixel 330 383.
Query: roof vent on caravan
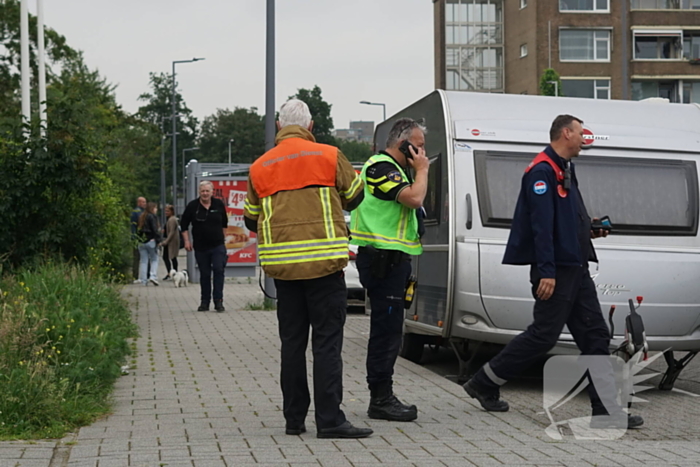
pixel 656 100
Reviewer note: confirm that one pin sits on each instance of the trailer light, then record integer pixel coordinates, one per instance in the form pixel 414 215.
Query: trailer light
pixel 469 320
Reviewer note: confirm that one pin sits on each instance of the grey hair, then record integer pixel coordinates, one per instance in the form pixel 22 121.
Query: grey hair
pixel 402 130
pixel 295 112
pixel 206 182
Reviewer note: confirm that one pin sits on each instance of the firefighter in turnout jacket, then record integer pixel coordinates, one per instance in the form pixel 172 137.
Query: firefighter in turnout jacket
pixel 296 195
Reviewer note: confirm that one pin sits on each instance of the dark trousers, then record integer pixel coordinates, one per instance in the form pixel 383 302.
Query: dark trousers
pixel 574 304
pixel 320 303
pixel 211 261
pixel 386 322
pixel 166 260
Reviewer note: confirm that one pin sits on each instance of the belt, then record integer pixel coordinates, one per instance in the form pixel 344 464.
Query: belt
pixel 396 256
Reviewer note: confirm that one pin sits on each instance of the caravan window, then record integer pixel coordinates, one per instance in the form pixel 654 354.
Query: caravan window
pixel 641 196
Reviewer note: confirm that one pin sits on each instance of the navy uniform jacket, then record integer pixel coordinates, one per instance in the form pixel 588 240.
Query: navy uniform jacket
pixel 549 230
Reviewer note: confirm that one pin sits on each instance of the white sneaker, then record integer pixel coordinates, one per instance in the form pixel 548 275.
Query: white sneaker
pixel 137 282
pixel 153 281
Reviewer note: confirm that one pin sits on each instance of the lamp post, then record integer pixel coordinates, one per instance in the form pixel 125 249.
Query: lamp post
pixel 229 150
pixel 174 118
pixel 556 87
pixel 376 103
pixel 183 170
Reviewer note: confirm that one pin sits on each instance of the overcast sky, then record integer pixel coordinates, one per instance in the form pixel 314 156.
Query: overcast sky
pixel 375 50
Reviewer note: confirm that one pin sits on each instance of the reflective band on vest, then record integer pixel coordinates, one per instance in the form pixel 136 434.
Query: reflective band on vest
pixel 296 163
pixel 387 225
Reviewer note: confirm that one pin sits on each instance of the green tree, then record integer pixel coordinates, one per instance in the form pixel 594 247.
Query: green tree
pixel 244 126
pixel 320 112
pixel 57 52
pixel 547 88
pixel 157 111
pixel 356 151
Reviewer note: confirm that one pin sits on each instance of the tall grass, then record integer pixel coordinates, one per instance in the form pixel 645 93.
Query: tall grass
pixel 63 338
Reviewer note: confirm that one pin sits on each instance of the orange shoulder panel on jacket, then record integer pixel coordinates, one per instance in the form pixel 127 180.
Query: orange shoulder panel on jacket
pixel 293 164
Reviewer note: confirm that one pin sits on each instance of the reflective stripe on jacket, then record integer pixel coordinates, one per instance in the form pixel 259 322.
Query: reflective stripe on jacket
pixel 296 194
pixel 387 225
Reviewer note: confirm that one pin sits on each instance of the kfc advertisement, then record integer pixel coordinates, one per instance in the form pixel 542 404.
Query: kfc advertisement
pixel 241 244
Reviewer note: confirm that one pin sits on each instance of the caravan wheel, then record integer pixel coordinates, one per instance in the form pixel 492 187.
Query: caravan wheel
pixel 412 347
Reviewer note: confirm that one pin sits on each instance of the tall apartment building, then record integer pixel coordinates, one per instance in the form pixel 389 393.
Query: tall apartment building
pixel 602 49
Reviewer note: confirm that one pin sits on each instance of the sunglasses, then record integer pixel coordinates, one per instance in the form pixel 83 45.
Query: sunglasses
pixel 198 218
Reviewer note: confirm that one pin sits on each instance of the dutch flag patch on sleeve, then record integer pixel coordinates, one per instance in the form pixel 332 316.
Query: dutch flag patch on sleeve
pixel 540 187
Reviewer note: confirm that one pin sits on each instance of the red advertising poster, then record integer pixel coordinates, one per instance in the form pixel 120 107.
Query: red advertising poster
pixel 241 243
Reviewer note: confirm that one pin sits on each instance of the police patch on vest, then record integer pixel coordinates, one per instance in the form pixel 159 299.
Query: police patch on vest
pixel 394 176
pixel 540 187
pixel 562 191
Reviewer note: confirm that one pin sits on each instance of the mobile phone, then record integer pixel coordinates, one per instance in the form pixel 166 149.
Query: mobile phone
pixel 602 224
pixel 406 152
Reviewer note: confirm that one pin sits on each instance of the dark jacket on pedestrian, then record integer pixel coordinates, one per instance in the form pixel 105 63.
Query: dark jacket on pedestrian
pixel 135 214
pixel 207 224
pixel 150 229
pixel 550 226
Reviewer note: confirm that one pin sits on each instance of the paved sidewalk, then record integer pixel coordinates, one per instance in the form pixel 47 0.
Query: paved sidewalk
pixel 204 392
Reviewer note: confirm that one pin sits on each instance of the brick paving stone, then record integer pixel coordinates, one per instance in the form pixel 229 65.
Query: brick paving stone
pixel 208 394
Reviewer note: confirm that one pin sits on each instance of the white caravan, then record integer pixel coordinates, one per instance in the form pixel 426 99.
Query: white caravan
pixel 641 169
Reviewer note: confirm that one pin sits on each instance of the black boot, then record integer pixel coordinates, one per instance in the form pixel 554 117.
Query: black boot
pixel 219 306
pixel 204 306
pixel 384 405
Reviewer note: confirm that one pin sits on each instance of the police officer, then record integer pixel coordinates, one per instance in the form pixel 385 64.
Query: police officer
pixel 296 195
pixel 551 232
pixel 385 226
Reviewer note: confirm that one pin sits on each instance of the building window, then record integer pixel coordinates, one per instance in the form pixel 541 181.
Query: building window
pixel 658 45
pixel 677 91
pixel 474 45
pixel 523 4
pixel 523 50
pixel 602 6
pixel 646 89
pixel 584 45
pixel 666 4
pixel 691 92
pixel 586 88
pixel 691 47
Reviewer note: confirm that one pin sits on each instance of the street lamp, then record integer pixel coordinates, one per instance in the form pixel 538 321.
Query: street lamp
pixel 556 87
pixel 376 103
pixel 229 150
pixel 183 168
pixel 175 132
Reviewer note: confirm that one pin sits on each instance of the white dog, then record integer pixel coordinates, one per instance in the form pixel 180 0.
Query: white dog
pixel 180 278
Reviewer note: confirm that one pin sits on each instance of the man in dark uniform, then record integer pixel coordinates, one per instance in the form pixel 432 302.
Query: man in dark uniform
pixel 551 232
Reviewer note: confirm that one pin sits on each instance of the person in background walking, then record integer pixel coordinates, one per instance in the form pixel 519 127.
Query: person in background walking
pixel 135 214
pixel 209 221
pixel 149 234
pixel 171 244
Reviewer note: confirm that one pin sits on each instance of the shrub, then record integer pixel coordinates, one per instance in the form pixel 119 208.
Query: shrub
pixel 63 339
